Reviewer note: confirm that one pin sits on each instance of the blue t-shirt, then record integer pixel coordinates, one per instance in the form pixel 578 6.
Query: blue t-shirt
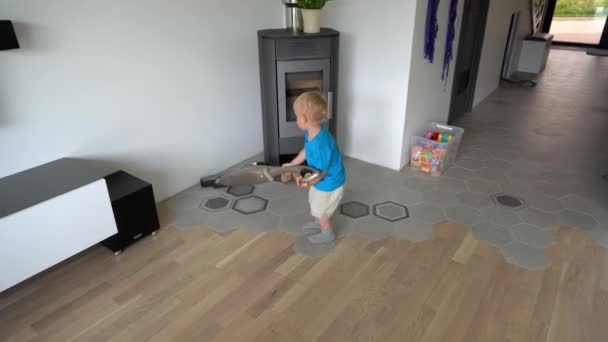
pixel 323 154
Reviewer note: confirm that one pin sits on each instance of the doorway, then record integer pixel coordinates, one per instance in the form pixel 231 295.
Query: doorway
pixel 475 14
pixel 578 22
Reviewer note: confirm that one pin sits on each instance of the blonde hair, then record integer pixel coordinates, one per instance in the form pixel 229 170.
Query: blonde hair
pixel 314 105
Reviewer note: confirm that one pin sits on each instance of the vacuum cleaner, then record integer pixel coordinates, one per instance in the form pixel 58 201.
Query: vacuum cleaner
pixel 257 174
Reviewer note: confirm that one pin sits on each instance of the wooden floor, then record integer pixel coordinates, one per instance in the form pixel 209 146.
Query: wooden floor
pixel 196 285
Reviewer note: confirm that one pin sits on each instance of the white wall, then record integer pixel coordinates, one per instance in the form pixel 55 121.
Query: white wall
pixel 168 90
pixel 428 97
pixel 495 40
pixel 375 52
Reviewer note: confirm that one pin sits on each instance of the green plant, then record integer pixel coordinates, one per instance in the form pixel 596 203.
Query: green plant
pixel 311 4
pixel 580 8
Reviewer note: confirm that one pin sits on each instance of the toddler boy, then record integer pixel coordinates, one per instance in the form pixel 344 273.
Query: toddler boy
pixel 322 153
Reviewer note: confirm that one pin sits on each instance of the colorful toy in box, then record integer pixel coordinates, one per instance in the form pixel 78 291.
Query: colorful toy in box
pixel 436 136
pixel 429 157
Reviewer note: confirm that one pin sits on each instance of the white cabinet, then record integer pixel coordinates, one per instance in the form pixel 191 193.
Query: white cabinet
pixel 48 214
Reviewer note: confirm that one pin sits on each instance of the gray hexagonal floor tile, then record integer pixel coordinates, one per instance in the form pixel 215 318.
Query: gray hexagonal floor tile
pixel 240 190
pixel 554 190
pixel 525 256
pixel 365 194
pixel 401 195
pixel 475 200
pixel 204 192
pixel 342 225
pixel 469 163
pixel 293 224
pixel 600 214
pixel 261 222
pixel 428 213
pixel 517 189
pixel 312 250
pixel 184 201
pixel 505 154
pixel 382 193
pixel 600 235
pixel 223 220
pixel 189 218
pixel 521 174
pixel 475 153
pixel 374 228
pixel 509 201
pixel 577 220
pixel 354 209
pixel 461 173
pixel 216 203
pixel 419 184
pixel 543 202
pixel 250 205
pixel 391 211
pixel 538 218
pixel 414 230
pixel 497 164
pixel 532 235
pixel 576 203
pixel 288 206
pixel 483 186
pixel 440 198
pixel 463 215
pixel 494 175
pixel 451 185
pixel 501 216
pixel 276 190
pixel 486 231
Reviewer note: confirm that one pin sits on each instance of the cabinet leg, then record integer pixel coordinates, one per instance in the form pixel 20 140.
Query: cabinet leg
pixel 117 253
pixel 154 233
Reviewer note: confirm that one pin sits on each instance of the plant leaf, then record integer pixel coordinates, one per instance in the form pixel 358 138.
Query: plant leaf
pixel 311 4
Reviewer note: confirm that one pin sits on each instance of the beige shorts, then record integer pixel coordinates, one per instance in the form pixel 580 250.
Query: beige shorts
pixel 323 204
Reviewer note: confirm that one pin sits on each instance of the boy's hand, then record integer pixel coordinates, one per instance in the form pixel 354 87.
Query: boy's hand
pixel 286 177
pixel 300 184
pixel 307 185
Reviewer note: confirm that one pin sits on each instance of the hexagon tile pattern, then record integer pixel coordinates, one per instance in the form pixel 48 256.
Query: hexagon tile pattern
pixel 428 213
pixel 525 256
pixel 463 215
pixel 492 233
pixel 502 216
pixel 574 202
pixel 250 205
pixel 538 218
pixel 354 209
pixel 391 211
pixel 215 203
pixel 578 220
pixel 532 236
pixel 509 201
pixel 240 190
pixel 519 220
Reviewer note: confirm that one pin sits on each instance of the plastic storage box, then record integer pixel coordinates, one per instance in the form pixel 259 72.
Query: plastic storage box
pixel 435 148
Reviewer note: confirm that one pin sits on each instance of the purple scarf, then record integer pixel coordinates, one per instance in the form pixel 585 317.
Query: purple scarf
pixel 449 42
pixel 430 32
